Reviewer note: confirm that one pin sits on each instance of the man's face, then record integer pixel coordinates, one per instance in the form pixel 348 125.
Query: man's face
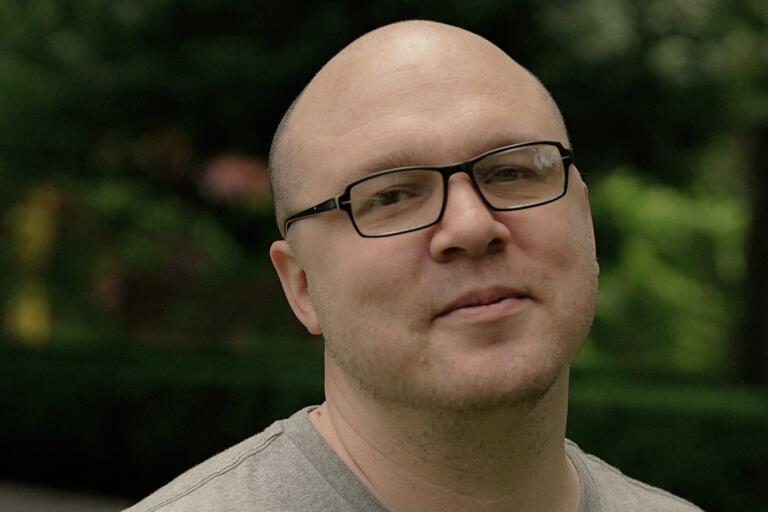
pixel 482 309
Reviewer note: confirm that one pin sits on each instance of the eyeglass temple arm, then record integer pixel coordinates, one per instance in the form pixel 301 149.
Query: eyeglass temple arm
pixel 330 204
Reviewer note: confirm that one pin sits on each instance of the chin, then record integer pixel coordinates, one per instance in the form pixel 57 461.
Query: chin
pixel 507 395
pixel 459 377
pixel 467 392
pixel 517 371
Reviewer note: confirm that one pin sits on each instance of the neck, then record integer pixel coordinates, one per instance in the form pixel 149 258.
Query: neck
pixel 502 459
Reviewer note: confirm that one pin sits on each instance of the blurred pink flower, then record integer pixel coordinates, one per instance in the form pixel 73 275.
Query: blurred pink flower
pixel 235 178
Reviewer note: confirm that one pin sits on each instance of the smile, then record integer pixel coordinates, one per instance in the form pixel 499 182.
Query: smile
pixel 484 304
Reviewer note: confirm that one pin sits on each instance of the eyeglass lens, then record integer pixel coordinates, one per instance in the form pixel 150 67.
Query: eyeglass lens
pixel 413 198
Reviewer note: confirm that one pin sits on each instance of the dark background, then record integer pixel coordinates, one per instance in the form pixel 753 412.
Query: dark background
pixel 143 328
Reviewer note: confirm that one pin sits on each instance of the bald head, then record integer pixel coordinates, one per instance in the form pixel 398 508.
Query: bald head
pixel 400 74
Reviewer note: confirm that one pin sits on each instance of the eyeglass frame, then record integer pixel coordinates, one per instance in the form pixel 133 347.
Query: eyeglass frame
pixel 343 200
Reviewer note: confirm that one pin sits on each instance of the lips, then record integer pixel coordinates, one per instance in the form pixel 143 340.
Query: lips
pixel 481 297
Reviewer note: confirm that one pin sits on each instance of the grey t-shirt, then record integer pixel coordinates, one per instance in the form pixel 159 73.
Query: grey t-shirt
pixel 290 467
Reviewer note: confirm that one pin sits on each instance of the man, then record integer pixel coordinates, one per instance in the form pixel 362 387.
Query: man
pixel 453 276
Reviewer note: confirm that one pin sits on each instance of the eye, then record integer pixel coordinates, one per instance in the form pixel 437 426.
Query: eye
pixel 505 174
pixel 388 197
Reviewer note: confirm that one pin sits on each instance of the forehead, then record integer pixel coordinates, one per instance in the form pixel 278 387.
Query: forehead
pixel 369 115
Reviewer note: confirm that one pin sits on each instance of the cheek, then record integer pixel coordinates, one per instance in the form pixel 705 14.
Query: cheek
pixel 363 306
pixel 573 250
pixel 561 253
pixel 366 284
pixel 572 281
pixel 565 237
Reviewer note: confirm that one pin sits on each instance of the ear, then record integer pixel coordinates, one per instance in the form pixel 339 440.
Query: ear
pixel 294 281
pixel 585 206
pixel 590 222
pixel 586 198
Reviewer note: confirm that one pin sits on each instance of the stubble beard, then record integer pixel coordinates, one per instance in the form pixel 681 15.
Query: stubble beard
pixel 455 396
pixel 383 383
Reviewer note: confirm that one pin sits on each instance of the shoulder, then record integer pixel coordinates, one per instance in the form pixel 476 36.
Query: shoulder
pixel 609 489
pixel 239 478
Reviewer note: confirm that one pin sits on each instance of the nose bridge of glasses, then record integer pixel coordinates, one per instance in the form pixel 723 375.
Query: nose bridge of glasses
pixel 450 170
pixel 463 167
pixel 468 169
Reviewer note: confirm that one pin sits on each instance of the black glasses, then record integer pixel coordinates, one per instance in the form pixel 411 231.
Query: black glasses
pixel 405 199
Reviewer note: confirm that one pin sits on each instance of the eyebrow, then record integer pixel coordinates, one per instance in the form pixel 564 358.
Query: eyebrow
pixel 408 156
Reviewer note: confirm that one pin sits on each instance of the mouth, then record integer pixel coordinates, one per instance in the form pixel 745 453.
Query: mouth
pixel 482 300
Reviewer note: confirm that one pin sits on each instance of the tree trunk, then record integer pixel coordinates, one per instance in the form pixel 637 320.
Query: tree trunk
pixel 753 342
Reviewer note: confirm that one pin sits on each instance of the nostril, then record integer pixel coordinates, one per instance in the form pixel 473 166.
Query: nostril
pixel 495 245
pixel 450 251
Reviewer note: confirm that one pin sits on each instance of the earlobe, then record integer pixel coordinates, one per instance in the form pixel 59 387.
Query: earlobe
pixel 295 286
pixel 590 223
pixel 587 207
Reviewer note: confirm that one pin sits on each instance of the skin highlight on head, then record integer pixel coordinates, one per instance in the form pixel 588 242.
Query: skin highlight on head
pixel 432 411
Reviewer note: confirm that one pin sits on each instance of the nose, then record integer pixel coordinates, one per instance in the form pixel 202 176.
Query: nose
pixel 468 228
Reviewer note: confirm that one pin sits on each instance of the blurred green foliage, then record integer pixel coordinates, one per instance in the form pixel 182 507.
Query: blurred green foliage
pixel 671 269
